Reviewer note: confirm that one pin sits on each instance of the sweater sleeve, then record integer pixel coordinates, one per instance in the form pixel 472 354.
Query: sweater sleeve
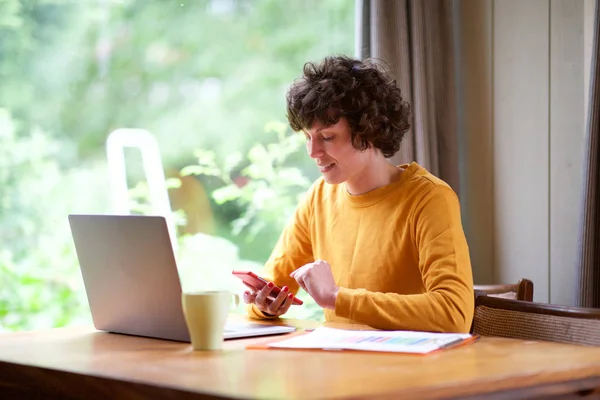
pixel 448 301
pixel 293 250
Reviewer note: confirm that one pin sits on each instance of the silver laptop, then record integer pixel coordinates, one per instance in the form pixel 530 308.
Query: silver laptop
pixel 131 278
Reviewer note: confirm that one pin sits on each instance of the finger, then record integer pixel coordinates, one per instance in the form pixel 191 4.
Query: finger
pixel 249 297
pixel 300 271
pixel 278 301
pixel 303 285
pixel 263 294
pixel 300 280
pixel 286 306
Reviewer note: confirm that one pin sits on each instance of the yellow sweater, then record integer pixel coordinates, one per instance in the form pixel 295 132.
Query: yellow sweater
pixel 398 253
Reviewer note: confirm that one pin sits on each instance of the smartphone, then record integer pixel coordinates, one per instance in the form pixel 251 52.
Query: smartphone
pixel 255 282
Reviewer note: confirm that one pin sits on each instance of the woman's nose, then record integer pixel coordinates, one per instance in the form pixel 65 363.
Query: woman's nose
pixel 314 148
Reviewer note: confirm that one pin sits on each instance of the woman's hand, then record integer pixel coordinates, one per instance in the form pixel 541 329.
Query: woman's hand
pixel 265 302
pixel 316 278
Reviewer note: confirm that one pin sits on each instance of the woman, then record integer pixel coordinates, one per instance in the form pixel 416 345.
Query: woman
pixel 372 243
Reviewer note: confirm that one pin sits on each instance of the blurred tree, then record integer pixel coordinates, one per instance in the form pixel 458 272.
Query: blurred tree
pixel 191 72
pixel 198 74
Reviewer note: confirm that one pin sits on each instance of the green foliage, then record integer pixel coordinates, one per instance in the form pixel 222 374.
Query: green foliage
pixel 202 74
pixel 40 284
pixel 190 70
pixel 267 189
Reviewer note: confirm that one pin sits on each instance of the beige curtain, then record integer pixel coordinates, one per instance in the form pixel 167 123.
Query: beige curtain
pixel 415 39
pixel 589 258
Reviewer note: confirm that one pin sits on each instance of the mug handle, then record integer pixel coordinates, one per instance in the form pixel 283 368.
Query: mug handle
pixel 236 299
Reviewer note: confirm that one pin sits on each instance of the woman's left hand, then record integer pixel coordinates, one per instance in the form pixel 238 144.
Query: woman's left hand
pixel 316 278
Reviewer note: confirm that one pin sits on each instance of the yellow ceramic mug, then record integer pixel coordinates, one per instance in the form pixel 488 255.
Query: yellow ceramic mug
pixel 205 315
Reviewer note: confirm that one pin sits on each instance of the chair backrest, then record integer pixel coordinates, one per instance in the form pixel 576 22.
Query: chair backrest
pixel 535 321
pixel 523 290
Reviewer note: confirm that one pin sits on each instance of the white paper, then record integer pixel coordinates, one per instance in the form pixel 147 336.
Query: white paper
pixel 387 341
pixel 235 330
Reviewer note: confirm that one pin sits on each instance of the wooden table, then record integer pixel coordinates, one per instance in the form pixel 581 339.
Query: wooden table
pixel 84 363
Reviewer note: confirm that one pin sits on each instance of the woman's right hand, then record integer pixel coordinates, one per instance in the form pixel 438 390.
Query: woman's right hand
pixel 260 298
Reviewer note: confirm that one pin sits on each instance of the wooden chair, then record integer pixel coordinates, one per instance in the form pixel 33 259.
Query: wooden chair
pixel 535 321
pixel 523 290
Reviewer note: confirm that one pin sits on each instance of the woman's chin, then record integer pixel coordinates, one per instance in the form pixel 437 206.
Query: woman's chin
pixel 333 179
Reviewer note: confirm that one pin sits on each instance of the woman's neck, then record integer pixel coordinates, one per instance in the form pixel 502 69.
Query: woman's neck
pixel 376 174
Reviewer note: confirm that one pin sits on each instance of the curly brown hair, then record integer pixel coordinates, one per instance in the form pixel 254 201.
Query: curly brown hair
pixel 360 91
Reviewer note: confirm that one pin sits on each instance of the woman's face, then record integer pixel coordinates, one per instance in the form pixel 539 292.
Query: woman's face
pixel 331 148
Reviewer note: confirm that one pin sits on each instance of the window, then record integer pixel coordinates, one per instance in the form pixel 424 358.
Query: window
pixel 206 79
